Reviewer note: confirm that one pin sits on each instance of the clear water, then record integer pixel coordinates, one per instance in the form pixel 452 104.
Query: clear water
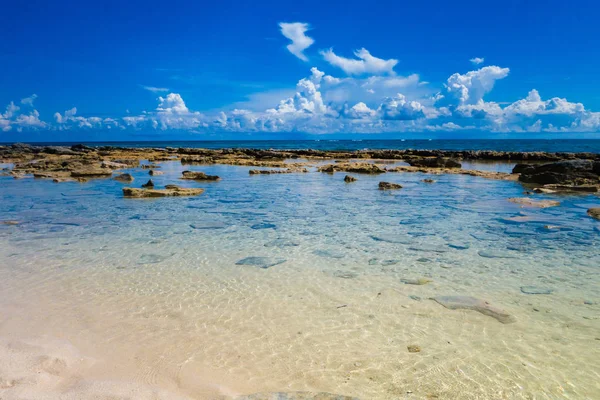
pixel 153 288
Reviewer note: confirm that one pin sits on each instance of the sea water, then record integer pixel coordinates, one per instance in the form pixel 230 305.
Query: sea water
pixel 296 282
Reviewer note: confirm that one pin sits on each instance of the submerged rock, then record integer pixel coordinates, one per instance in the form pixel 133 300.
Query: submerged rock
pixel 281 243
pixel 261 262
pixel 417 281
pixel 472 303
pixel 208 225
pixel 349 179
pixel 493 254
pixel 199 176
pixel 594 212
pixel 459 246
pixel 176 191
pixel 536 290
pixel 389 186
pixel 413 348
pixel 529 202
pixel 124 178
pixel 345 274
pixel 428 181
pixel 263 225
pixel 328 253
pixel 389 239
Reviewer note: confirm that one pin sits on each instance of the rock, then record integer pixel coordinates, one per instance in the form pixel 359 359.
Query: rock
pixel 261 262
pixel 199 176
pixel 276 171
pixel 594 212
pixel 472 303
pixel 359 168
pixel 418 281
pixel 529 202
pixel 263 225
pixel 413 348
pixel 568 172
pixel 389 239
pixel 536 290
pixel 124 178
pixel 428 181
pixel 434 162
pixel 9 222
pixel 328 253
pixel 349 179
pixel 113 165
pixel 91 173
pixel 459 246
pixel 148 184
pixel 389 186
pixel 281 243
pixel 415 297
pixel 493 254
pixel 208 225
pixel 154 172
pixel 345 274
pixel 141 193
pixel 552 188
pixel 149 166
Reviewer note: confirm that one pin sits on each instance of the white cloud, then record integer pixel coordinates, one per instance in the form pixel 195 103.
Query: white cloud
pixel 469 88
pixel 364 64
pixel 295 31
pixel 29 100
pixel 154 89
pixel 398 108
pixel 477 60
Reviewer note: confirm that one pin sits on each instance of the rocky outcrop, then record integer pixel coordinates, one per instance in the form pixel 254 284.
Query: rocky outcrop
pixel 358 168
pixel 124 178
pixel 349 179
pixel 154 172
pixel 529 202
pixel 570 172
pixel 148 184
pixel 472 303
pixel 594 212
pixel 199 176
pixel 434 162
pixel 276 171
pixel 171 190
pixel 92 173
pixel 389 186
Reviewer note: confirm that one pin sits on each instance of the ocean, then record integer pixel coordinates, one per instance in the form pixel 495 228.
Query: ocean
pixel 302 282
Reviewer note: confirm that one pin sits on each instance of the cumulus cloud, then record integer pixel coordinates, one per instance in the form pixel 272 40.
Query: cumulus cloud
pixel 477 60
pixel 398 108
pixel 469 88
pixel 154 89
pixel 296 32
pixel 364 63
pixel 29 100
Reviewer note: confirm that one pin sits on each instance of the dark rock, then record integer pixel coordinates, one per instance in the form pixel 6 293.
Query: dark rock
pixel 389 186
pixel 594 212
pixel 349 179
pixel 434 162
pixel 569 172
pixel 428 181
pixel 199 176
pixel 472 303
pixel 261 262
pixel 148 184
pixel 413 348
pixel 124 178
pixel 263 225
pixel 153 172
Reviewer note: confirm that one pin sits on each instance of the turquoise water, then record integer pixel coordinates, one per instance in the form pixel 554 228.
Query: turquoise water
pixel 187 278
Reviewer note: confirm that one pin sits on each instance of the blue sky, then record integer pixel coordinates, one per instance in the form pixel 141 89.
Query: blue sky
pixel 227 69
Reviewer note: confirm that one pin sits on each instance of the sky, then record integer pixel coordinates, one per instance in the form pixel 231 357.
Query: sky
pixel 195 70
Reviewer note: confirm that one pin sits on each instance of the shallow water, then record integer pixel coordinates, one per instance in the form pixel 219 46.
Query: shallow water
pixel 163 292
